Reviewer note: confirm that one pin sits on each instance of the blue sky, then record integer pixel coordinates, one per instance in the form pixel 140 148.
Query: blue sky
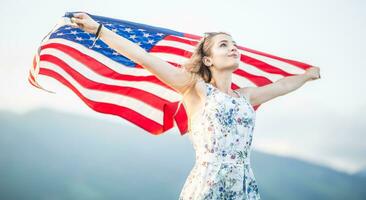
pixel 322 122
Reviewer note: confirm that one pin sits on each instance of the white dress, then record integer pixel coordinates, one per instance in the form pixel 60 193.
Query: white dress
pixel 221 134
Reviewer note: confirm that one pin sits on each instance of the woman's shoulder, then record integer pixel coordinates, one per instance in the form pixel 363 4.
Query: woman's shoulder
pixel 201 87
pixel 245 91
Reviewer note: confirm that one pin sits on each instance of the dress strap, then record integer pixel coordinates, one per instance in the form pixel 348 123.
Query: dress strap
pixel 238 93
pixel 242 95
pixel 209 89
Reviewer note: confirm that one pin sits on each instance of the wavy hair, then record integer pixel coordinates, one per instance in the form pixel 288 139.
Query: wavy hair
pixel 195 64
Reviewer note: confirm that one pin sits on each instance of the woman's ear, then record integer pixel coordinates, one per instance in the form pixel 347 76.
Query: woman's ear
pixel 207 61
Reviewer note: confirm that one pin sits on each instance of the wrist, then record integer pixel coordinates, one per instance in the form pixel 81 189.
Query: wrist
pixel 98 31
pixel 97 34
pixel 307 76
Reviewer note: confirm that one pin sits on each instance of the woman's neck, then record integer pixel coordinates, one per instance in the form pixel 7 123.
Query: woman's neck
pixel 222 81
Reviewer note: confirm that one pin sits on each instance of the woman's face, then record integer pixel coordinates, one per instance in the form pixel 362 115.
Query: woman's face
pixel 224 53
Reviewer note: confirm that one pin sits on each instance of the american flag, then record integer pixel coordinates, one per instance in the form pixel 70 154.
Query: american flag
pixel 110 83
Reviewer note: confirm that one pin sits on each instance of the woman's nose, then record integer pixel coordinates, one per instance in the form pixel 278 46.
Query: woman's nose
pixel 234 48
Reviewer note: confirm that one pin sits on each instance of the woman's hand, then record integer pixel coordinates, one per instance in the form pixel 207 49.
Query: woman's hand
pixel 85 22
pixel 313 72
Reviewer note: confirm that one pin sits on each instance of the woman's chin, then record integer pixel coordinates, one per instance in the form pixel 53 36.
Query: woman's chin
pixel 235 65
pixel 232 66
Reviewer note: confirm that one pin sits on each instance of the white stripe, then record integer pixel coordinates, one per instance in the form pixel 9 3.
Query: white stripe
pixel 186 38
pixel 255 71
pixel 113 65
pixel 179 45
pixel 107 97
pixel 180 59
pixel 153 88
pixel 242 81
pixel 276 63
pixel 170 57
pixel 244 66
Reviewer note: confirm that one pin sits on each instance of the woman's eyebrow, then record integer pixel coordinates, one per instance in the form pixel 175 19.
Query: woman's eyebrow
pixel 227 41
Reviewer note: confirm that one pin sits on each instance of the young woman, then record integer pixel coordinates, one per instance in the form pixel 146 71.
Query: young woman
pixel 221 120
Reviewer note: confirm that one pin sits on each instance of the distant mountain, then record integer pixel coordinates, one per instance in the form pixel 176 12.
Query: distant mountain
pixel 51 155
pixel 361 173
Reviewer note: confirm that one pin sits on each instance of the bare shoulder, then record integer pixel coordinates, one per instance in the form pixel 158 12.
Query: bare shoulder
pixel 197 90
pixel 200 88
pixel 194 97
pixel 246 91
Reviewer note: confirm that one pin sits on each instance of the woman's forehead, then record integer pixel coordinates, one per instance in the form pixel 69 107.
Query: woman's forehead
pixel 223 37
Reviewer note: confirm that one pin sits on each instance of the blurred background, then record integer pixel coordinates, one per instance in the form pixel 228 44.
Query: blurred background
pixel 309 144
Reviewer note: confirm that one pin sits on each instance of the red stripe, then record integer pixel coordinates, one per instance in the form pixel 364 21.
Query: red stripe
pixel 168 107
pixel 34 62
pixel 100 68
pixel 181 40
pixel 263 66
pixel 171 50
pixel 244 58
pixel 257 80
pixel 107 108
pixel 31 77
pixel 30 81
pixel 174 64
pixel 141 95
pixel 192 36
pixel 181 119
pixel 291 62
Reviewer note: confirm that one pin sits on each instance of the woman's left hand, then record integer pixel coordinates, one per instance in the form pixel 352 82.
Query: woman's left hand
pixel 313 72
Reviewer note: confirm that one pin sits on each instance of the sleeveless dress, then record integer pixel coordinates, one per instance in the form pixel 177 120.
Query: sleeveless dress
pixel 221 134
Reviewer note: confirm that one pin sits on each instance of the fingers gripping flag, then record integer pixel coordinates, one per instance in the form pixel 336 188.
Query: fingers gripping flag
pixel 110 83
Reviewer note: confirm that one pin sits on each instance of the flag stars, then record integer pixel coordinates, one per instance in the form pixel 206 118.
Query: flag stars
pixel 138 43
pixel 79 38
pixel 114 30
pixel 160 34
pixel 133 37
pixel 92 38
pixel 74 32
pixel 115 53
pixel 146 35
pixel 60 34
pixel 97 46
pixel 150 41
pixel 68 28
pixel 128 30
pixel 108 24
pixel 140 29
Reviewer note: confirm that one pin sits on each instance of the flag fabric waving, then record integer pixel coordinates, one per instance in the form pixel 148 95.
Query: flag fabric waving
pixel 110 83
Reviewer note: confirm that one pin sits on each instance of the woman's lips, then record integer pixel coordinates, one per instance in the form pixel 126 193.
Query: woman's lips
pixel 234 55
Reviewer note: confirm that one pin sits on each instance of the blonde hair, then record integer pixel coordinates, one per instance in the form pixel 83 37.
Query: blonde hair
pixel 195 64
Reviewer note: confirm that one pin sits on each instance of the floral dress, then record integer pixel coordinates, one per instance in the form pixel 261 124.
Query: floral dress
pixel 221 134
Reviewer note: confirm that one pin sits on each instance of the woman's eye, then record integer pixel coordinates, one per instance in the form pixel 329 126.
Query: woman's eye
pixel 222 44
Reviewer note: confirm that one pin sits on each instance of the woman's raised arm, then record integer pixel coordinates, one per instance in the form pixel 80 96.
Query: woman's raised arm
pixel 175 77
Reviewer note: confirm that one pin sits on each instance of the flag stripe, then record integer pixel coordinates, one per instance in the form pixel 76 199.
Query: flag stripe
pixel 103 97
pixel 115 66
pixel 253 66
pixel 155 101
pixel 65 61
pixel 298 64
pixel 144 121
pixel 110 83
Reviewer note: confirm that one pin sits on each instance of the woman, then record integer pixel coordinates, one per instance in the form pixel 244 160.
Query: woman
pixel 221 120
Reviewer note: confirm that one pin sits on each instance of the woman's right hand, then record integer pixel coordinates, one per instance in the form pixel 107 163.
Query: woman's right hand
pixel 85 22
